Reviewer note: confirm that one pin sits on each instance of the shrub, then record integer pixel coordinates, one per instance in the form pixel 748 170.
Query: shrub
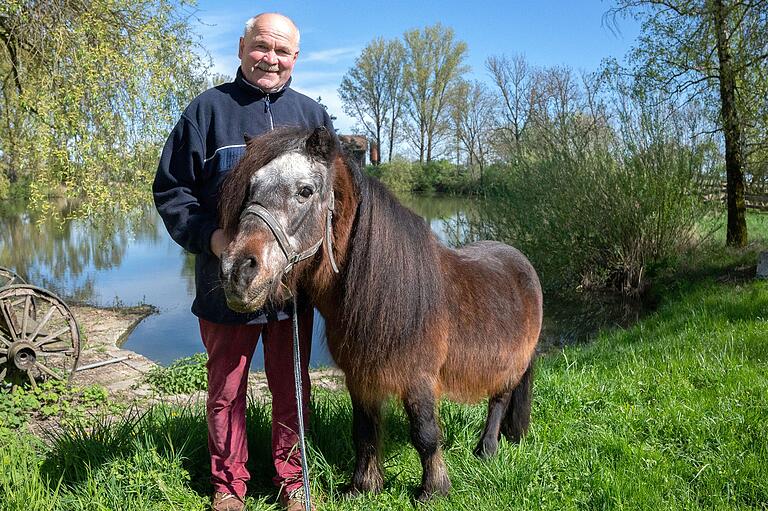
pixel 184 376
pixel 607 215
pixel 398 175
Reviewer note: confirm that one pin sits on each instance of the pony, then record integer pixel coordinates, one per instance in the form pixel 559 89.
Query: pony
pixel 405 315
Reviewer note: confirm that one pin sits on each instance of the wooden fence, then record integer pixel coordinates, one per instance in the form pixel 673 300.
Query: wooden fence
pixel 755 196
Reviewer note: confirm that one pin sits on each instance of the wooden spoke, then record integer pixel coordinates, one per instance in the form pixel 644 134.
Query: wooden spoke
pixel 3 360
pixel 3 351
pixel 3 372
pixel 9 277
pixel 54 337
pixel 67 352
pixel 7 315
pixel 25 316
pixel 42 323
pixel 49 372
pixel 31 379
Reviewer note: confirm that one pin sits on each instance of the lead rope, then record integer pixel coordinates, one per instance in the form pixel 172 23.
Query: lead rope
pixel 297 362
pixel 300 407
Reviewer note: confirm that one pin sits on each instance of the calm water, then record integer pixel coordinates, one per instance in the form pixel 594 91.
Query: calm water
pixel 132 260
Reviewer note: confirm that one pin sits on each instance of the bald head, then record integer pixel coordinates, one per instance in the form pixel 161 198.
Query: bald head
pixel 272 19
pixel 268 50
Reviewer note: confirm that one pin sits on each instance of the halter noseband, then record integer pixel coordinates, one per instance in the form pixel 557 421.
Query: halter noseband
pixel 278 232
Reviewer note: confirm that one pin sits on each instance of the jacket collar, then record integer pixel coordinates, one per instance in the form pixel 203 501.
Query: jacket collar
pixel 257 91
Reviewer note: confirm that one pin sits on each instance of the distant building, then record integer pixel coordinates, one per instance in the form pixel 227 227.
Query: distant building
pixel 356 146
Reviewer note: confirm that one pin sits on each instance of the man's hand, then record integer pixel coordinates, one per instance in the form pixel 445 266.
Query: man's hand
pixel 219 242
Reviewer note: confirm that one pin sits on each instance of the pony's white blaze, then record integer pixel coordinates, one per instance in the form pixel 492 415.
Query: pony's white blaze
pixel 290 167
pixel 287 172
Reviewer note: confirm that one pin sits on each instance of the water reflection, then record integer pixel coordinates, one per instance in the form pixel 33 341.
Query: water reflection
pixel 128 258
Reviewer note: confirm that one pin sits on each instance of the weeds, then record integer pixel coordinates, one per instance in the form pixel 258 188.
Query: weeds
pixel 52 398
pixel 184 376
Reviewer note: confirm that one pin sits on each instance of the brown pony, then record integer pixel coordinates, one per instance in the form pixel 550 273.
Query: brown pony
pixel 405 315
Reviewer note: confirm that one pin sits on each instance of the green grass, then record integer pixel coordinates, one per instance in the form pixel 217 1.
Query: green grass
pixel 669 414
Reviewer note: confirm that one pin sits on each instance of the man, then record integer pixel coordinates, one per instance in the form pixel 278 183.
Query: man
pixel 206 143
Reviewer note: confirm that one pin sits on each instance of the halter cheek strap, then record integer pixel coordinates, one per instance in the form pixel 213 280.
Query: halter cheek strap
pixel 278 232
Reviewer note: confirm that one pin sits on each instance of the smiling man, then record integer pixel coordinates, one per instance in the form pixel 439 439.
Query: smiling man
pixel 206 143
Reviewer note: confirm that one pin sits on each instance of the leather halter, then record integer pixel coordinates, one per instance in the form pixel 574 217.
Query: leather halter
pixel 278 232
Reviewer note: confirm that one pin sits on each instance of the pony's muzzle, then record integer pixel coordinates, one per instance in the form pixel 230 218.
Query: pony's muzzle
pixel 238 275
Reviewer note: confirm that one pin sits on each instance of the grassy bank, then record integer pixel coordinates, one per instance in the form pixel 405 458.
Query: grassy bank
pixel 669 414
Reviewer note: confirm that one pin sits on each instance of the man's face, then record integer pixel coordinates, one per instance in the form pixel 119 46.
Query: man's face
pixel 268 52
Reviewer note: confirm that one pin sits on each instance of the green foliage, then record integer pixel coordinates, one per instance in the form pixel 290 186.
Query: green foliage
pixel 90 91
pixel 52 399
pixel 668 414
pixel 436 176
pixel 372 90
pixel 434 61
pixel 598 205
pixel 184 376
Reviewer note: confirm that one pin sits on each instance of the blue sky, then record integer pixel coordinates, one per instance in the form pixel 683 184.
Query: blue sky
pixel 547 33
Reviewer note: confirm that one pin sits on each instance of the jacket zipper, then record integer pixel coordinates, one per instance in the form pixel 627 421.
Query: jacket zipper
pixel 268 108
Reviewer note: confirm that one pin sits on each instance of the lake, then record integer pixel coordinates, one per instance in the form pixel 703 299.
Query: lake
pixel 131 260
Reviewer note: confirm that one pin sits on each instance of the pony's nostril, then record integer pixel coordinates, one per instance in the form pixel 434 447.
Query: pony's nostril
pixel 247 269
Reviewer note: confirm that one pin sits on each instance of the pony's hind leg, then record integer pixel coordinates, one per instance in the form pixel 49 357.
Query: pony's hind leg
pixel 489 440
pixel 425 436
pixel 518 416
pixel 366 425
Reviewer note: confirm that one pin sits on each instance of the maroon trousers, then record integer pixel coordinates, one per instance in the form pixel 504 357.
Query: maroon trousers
pixel 230 348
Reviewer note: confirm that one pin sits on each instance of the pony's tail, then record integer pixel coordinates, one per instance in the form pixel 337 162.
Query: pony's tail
pixel 518 415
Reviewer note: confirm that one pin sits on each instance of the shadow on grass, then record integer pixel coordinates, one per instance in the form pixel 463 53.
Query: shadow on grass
pixel 178 434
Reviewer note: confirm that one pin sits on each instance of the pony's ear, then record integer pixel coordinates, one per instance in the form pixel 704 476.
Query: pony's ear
pixel 321 144
pixel 247 138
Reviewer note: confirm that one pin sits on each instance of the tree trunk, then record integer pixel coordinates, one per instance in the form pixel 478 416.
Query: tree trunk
pixel 391 141
pixel 736 235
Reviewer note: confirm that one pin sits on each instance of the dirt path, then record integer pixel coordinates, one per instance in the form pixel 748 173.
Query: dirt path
pixel 105 329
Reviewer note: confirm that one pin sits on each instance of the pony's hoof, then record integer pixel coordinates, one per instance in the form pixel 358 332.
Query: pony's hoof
pixel 425 496
pixel 351 493
pixel 440 489
pixel 355 491
pixel 485 450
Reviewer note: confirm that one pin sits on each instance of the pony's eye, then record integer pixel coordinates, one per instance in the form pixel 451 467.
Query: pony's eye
pixel 306 192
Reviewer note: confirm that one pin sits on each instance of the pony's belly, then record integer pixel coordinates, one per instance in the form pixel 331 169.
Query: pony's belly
pixel 470 378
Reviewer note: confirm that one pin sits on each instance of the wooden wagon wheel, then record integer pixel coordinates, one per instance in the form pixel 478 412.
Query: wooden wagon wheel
pixel 9 277
pixel 39 337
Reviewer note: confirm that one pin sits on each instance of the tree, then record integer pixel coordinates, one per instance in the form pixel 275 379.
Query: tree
pixel 516 82
pixel 325 107
pixel 434 60
pixel 716 49
pixel 371 91
pixel 473 109
pixel 88 91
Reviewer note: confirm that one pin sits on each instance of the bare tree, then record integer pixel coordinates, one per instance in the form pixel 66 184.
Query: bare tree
pixel 473 109
pixel 516 83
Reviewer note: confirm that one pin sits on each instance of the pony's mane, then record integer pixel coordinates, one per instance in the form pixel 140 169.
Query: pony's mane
pixel 392 281
pixel 259 152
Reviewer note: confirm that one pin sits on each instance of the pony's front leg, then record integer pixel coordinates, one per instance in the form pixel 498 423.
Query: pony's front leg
pixel 425 435
pixel 366 424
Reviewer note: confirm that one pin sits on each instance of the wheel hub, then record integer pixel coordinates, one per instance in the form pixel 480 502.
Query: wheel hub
pixel 23 355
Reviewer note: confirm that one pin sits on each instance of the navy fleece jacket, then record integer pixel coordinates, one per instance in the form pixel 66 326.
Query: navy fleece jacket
pixel 204 145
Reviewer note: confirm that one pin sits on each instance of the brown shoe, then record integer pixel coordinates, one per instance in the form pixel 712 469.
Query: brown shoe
pixel 226 502
pixel 294 500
